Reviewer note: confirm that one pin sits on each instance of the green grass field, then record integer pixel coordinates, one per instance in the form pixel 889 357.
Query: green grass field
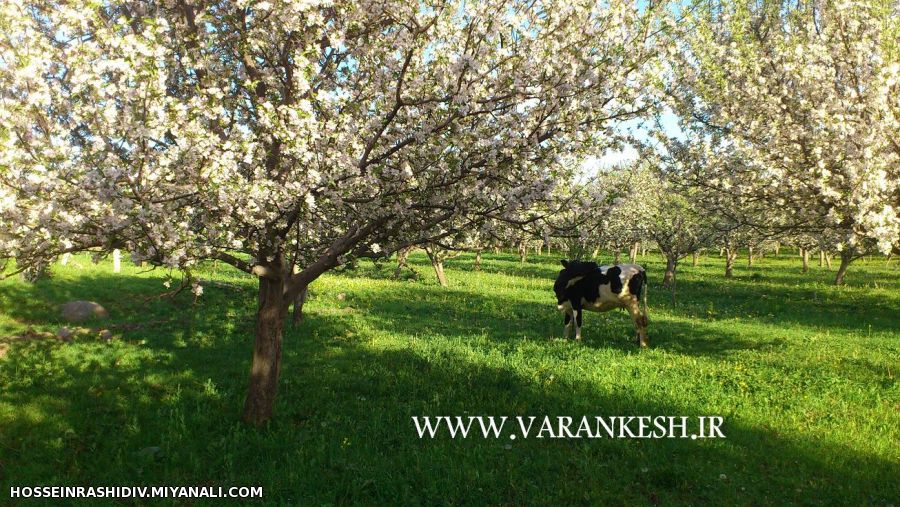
pixel 804 374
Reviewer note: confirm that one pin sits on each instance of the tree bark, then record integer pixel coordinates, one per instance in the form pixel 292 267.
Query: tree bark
pixel 523 252
pixel 632 254
pixel 299 301
pixel 777 248
pixel 670 271
pixel 821 258
pixel 730 256
pixel 439 271
pixel 477 266
pixel 750 256
pixel 674 282
pixel 438 266
pixel 266 365
pixel 402 261
pixel 696 259
pixel 827 260
pixel 804 253
pixel 846 259
pixel 617 256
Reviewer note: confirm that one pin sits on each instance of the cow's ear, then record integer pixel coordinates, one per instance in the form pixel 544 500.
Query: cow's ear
pixel 564 263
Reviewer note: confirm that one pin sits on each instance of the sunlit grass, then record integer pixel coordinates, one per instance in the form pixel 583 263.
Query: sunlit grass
pixel 803 372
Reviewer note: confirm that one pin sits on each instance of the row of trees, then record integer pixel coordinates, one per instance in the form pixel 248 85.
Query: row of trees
pixel 636 206
pixel 791 115
pixel 289 137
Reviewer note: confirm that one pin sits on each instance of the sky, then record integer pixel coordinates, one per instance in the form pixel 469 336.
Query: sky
pixel 640 128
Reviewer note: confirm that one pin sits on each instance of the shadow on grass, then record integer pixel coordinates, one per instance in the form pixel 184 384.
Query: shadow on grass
pixel 753 465
pixel 782 305
pixel 418 310
pixel 92 412
pixel 343 433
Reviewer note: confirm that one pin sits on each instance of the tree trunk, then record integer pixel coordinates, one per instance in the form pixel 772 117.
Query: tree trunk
pixel 438 266
pixel 749 256
pixel 617 256
pixel 402 258
pixel 821 258
pixel 643 251
pixel 721 252
pixel 595 253
pixel 266 352
pixel 777 248
pixel 804 253
pixel 117 261
pixel 632 254
pixel 827 260
pixel 477 260
pixel 523 252
pixel 670 271
pixel 439 271
pixel 730 256
pixel 299 301
pixel 696 259
pixel 674 281
pixel 846 259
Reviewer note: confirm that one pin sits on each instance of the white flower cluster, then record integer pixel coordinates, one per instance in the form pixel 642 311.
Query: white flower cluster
pixel 808 102
pixel 284 131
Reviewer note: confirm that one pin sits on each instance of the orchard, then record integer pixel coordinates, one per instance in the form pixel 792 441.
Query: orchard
pixel 252 243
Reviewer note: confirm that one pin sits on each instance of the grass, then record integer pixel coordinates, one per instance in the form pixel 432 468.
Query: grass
pixel 804 374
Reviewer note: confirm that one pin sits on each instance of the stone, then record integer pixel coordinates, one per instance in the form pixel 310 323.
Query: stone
pixel 77 311
pixel 68 334
pixel 65 334
pixel 106 335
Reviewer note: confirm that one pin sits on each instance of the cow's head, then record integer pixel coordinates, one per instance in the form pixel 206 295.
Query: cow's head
pixel 572 273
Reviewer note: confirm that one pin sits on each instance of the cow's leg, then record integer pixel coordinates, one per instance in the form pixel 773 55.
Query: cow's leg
pixel 567 325
pixel 640 322
pixel 578 313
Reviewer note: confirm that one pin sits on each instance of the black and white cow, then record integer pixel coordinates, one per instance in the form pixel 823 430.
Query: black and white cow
pixel 586 286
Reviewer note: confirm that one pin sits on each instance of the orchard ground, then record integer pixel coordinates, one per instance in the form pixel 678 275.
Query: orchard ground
pixel 803 372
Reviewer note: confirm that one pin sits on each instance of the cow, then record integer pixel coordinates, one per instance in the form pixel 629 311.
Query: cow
pixel 586 286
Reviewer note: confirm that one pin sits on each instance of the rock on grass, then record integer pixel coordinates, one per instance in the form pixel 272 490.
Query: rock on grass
pixel 77 311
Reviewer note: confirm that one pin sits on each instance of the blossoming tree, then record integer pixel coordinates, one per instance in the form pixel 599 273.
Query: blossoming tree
pixel 285 137
pixel 807 95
